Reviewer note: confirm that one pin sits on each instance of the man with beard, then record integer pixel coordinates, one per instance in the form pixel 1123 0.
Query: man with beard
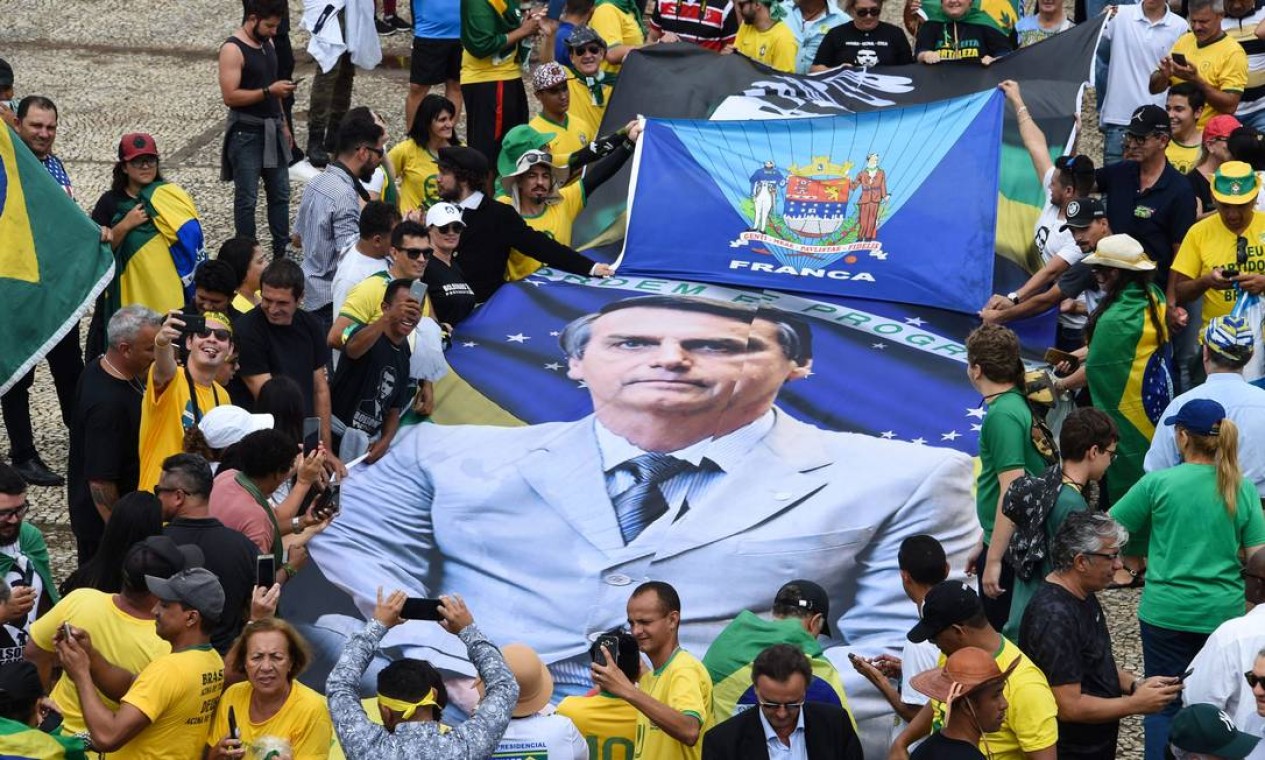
pixel 23 566
pixel 256 139
pixel 329 214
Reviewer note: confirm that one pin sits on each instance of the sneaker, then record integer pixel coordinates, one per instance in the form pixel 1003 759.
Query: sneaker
pixel 36 473
pixel 397 22
pixel 383 27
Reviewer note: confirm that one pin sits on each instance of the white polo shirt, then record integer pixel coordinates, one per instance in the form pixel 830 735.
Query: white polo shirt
pixel 1218 673
pixel 1137 45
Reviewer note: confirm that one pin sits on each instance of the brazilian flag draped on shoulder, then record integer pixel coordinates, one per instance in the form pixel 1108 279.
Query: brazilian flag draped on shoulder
pixel 1002 15
pixel 155 263
pixel 52 261
pixel 729 659
pixel 21 742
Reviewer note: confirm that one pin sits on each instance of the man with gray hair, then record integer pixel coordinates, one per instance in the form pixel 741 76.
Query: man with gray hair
pixel 685 472
pixel 1064 632
pixel 105 426
pixel 1229 672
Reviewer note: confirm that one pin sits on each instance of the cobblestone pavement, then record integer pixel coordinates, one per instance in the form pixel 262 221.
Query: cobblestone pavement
pixel 115 68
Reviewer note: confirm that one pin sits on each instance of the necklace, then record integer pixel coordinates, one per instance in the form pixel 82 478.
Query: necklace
pixel 132 382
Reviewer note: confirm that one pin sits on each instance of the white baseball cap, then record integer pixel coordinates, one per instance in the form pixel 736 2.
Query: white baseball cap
pixel 443 213
pixel 225 425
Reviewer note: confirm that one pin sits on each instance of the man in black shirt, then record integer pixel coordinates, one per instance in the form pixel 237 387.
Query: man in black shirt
pixel 104 428
pixel 864 41
pixel 1064 632
pixel 956 40
pixel 279 338
pixel 372 385
pixel 493 228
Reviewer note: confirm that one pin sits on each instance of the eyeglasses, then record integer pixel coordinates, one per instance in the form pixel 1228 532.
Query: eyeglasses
pixel 375 150
pixel 160 490
pixel 775 706
pixel 1114 453
pixel 1132 138
pixel 220 334
pixel 19 511
pixel 587 50
pixel 1110 557
pixel 143 162
pixel 1254 680
pixel 864 12
pixel 450 228
pixel 416 253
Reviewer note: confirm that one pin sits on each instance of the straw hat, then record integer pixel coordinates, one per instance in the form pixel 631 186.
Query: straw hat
pixel 535 684
pixel 1120 252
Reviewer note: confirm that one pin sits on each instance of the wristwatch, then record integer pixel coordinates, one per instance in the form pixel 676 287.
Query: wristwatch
pixel 1014 297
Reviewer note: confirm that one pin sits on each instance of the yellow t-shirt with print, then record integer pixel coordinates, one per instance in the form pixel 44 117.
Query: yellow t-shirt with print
pixel 418 173
pixel 498 68
pixel 1208 244
pixel 568 137
pixel 617 28
pixel 1031 721
pixel 776 46
pixel 165 417
pixel 364 301
pixel 1182 157
pixel 556 221
pixel 129 642
pixel 303 721
pixel 608 724
pixel 1223 64
pixel 582 105
pixel 178 693
pixel 684 685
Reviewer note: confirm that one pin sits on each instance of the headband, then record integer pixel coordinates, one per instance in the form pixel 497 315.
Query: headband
pixel 408 708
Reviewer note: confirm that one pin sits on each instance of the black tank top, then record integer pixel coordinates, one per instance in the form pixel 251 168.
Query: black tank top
pixel 259 69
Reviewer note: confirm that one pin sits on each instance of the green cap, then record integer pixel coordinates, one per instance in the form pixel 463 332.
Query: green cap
pixel 518 143
pixel 1207 730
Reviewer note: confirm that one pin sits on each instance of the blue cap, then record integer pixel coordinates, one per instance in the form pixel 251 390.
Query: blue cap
pixel 1201 416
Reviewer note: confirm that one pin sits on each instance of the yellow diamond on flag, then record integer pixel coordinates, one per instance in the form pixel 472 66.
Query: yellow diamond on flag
pixel 17 247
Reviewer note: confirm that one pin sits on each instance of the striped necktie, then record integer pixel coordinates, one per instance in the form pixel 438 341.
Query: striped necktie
pixel 643 502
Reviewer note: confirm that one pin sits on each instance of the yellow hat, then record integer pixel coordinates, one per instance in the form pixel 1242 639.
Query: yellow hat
pixel 1235 183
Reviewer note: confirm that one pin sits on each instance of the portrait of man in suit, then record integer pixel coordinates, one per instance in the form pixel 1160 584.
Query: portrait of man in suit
pixel 685 472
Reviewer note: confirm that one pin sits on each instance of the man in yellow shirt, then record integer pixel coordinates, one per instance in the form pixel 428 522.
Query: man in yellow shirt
pixel 492 37
pixel 622 25
pixel 571 132
pixel 674 698
pixel 1208 57
pixel 764 37
pixel 953 618
pixel 165 711
pixel 120 626
pixel 591 85
pixel 1185 105
pixel 608 723
pixel 170 407
pixel 1223 254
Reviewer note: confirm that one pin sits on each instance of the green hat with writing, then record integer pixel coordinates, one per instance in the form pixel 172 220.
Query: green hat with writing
pixel 1235 183
pixel 1209 731
pixel 522 149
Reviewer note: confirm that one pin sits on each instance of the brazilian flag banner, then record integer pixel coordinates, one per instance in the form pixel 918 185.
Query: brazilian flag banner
pixel 52 261
pixel 21 742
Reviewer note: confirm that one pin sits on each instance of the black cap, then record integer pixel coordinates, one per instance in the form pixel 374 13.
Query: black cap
pixel 6 74
pixel 806 595
pixel 1081 212
pixel 947 603
pixel 466 159
pixel 175 556
pixel 20 683
pixel 1149 120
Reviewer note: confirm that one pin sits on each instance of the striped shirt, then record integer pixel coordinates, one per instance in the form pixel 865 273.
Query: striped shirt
pixel 1243 30
pixel 712 25
pixel 327 223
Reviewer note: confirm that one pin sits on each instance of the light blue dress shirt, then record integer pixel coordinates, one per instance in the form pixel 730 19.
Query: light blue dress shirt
pixel 809 34
pixel 779 751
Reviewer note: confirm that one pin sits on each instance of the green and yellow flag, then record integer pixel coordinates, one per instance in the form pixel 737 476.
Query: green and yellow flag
pixel 21 742
pixel 52 261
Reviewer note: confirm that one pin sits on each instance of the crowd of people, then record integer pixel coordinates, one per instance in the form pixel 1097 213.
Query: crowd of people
pixel 219 403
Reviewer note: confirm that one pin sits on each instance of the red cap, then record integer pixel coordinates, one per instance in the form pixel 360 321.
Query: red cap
pixel 1220 127
pixel 136 144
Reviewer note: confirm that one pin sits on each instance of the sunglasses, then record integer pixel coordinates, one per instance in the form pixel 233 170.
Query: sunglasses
pixel 379 152
pixel 142 162
pixel 417 253
pixel 587 50
pixel 866 12
pixel 1109 557
pixel 533 157
pixel 160 490
pixel 1254 680
pixel 450 228
pixel 775 706
pixel 220 334
pixel 19 511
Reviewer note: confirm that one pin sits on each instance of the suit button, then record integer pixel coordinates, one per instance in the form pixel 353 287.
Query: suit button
pixel 617 579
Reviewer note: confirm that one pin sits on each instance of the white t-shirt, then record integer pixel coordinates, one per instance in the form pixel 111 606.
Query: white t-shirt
pixel 1051 239
pixel 554 735
pixel 353 268
pixel 1137 45
pixel 914 659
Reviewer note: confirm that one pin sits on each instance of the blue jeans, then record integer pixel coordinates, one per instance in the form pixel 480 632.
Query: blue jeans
pixel 1165 652
pixel 1112 143
pixel 246 157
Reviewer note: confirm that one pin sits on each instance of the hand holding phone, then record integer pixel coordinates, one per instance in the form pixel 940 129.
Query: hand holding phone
pixel 233 731
pixel 265 570
pixel 416 608
pixel 1179 59
pixel 193 323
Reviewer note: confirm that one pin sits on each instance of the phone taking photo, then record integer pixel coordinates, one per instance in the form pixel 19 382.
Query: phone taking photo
pixel 233 732
pixel 416 608
pixel 265 570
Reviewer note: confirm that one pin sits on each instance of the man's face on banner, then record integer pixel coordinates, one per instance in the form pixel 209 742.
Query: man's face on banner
pixel 651 360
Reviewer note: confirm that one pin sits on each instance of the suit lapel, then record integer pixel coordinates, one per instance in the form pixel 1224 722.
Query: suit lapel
pixel 752 743
pixel 566 473
pixel 782 470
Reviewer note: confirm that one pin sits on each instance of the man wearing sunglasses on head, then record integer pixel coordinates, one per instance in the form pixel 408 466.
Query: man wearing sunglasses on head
pixel 177 396
pixel 492 229
pixel 1229 672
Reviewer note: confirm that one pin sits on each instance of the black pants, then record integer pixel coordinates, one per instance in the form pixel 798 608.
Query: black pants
pixel 66 364
pixel 492 109
pixel 997 610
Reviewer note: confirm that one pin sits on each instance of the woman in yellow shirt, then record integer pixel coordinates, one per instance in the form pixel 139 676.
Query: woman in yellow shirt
pixel 270 708
pixel 417 174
